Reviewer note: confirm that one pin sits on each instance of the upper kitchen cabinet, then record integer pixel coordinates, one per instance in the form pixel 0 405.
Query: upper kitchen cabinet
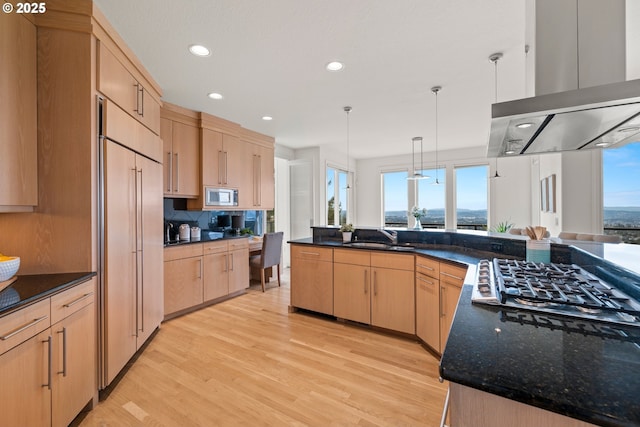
pixel 118 84
pixel 181 156
pixel 262 181
pixel 18 114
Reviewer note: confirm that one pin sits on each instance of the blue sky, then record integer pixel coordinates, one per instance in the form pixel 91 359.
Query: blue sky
pixel 621 171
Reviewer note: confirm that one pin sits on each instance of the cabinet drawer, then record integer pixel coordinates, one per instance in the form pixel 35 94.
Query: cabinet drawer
pixel 184 251
pixel 452 274
pixel 312 253
pixel 68 302
pixel 215 247
pixel 428 267
pixel 395 261
pixel 426 282
pixel 235 244
pixel 352 256
pixel 19 326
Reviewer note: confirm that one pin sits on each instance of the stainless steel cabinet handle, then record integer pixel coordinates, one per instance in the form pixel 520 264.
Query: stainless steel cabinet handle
pixel 226 263
pixel 226 167
pixel 49 363
pixel 200 269
pixel 425 267
pixel 141 106
pixel 220 167
pixel 64 352
pixel 170 174
pixel 231 256
pixel 365 281
pixel 445 410
pixel 177 180
pixel 452 276
pixel 424 280
pixel 22 328
pixel 442 291
pixel 375 283
pixel 310 253
pixel 77 300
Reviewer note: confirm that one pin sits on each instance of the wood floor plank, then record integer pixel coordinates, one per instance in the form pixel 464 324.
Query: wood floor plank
pixel 249 362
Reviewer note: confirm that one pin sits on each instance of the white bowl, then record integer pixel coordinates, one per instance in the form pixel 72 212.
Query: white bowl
pixel 9 268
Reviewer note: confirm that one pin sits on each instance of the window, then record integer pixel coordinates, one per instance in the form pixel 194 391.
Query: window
pixel 394 198
pixel 621 192
pixel 337 197
pixel 432 197
pixel 471 197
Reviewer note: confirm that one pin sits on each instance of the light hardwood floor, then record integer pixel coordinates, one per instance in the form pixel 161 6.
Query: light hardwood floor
pixel 249 362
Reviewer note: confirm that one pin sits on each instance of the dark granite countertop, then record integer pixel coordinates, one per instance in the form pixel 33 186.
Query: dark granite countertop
pixel 552 363
pixel 203 239
pixel 34 287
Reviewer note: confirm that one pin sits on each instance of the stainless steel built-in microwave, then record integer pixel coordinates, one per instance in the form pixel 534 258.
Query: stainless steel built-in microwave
pixel 220 197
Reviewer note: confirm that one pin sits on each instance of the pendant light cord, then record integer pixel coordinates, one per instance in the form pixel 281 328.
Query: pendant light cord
pixel 347 110
pixel 494 58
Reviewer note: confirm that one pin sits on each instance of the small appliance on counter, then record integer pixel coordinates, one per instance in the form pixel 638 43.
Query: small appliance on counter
pixel 185 232
pixel 237 224
pixel 195 233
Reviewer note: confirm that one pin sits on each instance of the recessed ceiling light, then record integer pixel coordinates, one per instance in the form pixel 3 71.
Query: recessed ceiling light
pixel 215 95
pixel 199 50
pixel 524 125
pixel 334 66
pixel 267 118
pixel 602 144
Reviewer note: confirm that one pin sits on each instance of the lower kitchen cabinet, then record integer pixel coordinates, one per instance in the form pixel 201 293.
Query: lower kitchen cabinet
pixel 375 288
pixel 197 273
pixel 438 286
pixel 312 278
pixel 48 378
pixel 239 265
pixel 183 271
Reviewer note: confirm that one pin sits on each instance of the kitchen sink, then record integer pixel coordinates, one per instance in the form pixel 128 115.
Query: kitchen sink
pixel 377 245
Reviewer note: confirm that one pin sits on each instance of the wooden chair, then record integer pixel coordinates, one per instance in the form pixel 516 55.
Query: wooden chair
pixel 270 255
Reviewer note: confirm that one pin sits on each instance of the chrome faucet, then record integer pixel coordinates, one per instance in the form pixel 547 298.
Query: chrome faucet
pixel 392 236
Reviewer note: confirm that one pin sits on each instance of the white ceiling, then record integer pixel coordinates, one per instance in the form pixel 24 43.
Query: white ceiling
pixel 268 58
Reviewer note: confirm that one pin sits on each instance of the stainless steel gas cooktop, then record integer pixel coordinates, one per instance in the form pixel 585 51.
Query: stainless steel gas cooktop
pixel 559 289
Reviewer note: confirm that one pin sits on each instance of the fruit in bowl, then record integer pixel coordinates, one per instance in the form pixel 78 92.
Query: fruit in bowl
pixel 9 266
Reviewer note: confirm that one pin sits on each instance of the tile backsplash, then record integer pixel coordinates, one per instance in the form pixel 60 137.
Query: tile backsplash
pixel 206 220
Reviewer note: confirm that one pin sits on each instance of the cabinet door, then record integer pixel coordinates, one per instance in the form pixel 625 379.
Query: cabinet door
pixel 150 276
pixel 166 134
pixel 18 114
pixel 238 269
pixel 25 395
pixel 312 284
pixel 263 178
pixel 183 284
pixel 120 258
pixel 186 160
pixel 237 163
pixel 115 81
pixel 74 365
pixel 216 275
pixel 212 156
pixel 449 295
pixel 148 110
pixel 351 290
pixel 393 300
pixel 428 310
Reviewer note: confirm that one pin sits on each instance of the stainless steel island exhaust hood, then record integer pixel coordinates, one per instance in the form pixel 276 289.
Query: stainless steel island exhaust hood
pixel 592 117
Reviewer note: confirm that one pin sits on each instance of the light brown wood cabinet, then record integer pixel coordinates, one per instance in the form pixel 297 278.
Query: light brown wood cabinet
pixel 48 372
pixel 312 278
pixel 198 273
pixel 181 173
pixel 117 83
pixel 183 272
pixel 375 288
pixel 18 114
pixel 438 287
pixel 263 181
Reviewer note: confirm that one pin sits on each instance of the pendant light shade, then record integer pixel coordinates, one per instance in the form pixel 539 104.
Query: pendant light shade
pixel 416 173
pixel 494 58
pixel 435 91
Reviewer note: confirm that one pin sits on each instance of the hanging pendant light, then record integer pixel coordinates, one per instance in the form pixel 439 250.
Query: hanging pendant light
pixel 417 173
pixel 347 110
pixel 494 58
pixel 435 91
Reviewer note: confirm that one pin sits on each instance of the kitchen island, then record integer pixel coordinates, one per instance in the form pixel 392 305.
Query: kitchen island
pixel 515 367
